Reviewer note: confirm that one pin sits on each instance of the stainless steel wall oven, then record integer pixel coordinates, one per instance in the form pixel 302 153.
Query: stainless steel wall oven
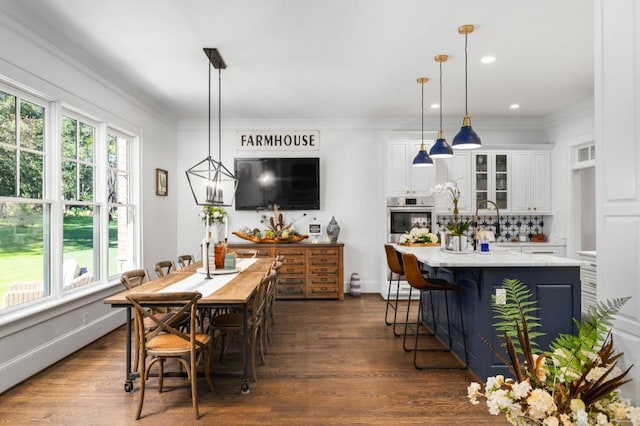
pixel 404 213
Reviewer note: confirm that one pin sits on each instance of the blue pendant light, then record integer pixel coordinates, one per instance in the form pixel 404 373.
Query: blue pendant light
pixel 422 159
pixel 466 138
pixel 441 148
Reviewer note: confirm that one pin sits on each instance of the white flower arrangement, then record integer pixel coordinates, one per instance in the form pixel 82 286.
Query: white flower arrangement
pixel 419 236
pixel 575 383
pixel 215 214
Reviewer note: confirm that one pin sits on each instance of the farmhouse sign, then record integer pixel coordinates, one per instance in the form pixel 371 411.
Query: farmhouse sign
pixel 278 140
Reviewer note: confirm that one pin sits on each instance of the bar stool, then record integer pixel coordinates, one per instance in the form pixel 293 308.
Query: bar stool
pixel 419 282
pixel 395 268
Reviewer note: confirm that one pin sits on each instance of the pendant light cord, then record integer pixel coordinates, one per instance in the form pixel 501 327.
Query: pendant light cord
pixel 220 115
pixel 209 111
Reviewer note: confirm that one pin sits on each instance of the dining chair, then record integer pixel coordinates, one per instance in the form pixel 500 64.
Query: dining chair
pixel 185 260
pixel 163 268
pixel 230 325
pixel 417 281
pixel 269 320
pixel 132 279
pixel 246 253
pixel 168 341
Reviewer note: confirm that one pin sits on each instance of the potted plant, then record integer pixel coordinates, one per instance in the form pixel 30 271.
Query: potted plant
pixel 456 227
pixel 575 382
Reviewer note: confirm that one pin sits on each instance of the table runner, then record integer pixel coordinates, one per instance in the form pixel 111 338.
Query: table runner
pixel 198 282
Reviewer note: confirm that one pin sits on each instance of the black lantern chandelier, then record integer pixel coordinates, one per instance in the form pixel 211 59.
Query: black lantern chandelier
pixel 211 183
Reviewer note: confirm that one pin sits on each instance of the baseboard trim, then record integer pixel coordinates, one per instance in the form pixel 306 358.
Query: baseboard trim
pixel 18 369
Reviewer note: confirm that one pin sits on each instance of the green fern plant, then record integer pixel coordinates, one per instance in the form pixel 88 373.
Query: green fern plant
pixel 516 324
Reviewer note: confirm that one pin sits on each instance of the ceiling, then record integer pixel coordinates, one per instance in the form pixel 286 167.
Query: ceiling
pixel 330 59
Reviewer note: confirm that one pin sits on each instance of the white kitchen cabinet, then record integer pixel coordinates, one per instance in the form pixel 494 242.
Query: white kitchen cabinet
pixel 457 169
pixel 530 182
pixel 536 248
pixel 588 280
pixel 491 180
pixel 402 177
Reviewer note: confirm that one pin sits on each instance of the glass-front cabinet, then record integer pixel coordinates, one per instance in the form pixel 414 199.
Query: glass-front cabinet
pixel 491 180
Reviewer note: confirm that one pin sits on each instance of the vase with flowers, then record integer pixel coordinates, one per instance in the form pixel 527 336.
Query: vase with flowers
pixel 214 218
pixel 576 382
pixel 418 236
pixel 455 226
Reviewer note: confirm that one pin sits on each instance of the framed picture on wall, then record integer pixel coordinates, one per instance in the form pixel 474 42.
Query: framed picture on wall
pixel 162 182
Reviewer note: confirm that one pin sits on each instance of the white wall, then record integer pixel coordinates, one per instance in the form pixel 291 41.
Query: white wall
pixel 564 131
pixel 33 340
pixel 617 137
pixel 353 178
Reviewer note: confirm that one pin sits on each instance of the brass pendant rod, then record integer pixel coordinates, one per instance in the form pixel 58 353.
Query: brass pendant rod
pixel 440 96
pixel 466 88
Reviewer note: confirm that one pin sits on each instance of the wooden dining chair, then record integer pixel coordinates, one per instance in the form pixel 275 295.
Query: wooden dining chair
pixel 163 268
pixel 168 341
pixel 132 279
pixel 269 320
pixel 185 260
pixel 230 325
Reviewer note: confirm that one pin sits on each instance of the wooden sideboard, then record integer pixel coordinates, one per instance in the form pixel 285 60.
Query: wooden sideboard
pixel 310 271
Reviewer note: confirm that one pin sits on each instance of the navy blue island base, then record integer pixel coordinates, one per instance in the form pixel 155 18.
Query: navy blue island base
pixel 553 281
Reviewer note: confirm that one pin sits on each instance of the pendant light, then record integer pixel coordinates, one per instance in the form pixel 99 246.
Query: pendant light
pixel 422 159
pixel 211 183
pixel 466 137
pixel 441 148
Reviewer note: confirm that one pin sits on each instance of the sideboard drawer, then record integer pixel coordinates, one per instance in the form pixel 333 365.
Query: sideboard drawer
pixel 308 270
pixel 325 270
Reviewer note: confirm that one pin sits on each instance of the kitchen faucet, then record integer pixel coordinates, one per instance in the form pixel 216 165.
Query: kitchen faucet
pixel 475 221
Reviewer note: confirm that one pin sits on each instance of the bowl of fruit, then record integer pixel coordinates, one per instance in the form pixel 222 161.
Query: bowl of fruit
pixel 277 231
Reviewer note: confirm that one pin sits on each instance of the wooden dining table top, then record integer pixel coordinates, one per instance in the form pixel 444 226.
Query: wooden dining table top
pixel 237 291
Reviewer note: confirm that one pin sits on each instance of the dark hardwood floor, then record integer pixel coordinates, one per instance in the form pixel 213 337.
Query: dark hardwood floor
pixel 331 362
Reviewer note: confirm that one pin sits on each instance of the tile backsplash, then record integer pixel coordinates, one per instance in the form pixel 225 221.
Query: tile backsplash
pixel 511 226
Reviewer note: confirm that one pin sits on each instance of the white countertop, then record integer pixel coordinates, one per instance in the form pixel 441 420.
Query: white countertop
pixel 498 257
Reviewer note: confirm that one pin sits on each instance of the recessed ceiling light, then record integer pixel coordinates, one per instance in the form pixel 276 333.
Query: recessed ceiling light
pixel 435 106
pixel 488 59
pixel 514 106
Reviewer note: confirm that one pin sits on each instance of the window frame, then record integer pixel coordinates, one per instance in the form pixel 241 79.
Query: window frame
pixel 53 201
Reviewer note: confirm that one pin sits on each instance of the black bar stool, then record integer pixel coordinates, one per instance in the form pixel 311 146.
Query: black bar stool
pixel 419 282
pixel 396 269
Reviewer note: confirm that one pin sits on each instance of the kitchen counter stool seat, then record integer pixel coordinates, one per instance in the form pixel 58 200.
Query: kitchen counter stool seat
pixel 417 281
pixel 395 270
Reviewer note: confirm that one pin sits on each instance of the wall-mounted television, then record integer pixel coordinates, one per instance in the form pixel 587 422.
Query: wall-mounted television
pixel 291 183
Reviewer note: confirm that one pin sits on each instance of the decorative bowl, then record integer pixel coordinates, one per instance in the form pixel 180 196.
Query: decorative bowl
pixel 275 240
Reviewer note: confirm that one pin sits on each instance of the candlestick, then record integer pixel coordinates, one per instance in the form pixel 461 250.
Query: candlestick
pixel 207 231
pixel 226 223
pixel 205 255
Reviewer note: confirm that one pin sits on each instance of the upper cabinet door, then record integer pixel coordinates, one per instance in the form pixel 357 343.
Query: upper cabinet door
pixel 402 177
pixel 491 180
pixel 531 176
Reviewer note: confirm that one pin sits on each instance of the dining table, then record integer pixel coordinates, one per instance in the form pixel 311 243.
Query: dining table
pixel 220 288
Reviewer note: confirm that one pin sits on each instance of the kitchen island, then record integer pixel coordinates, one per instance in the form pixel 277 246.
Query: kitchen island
pixel 553 281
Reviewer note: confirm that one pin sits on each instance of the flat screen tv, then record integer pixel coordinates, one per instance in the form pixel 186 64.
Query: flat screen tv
pixel 291 183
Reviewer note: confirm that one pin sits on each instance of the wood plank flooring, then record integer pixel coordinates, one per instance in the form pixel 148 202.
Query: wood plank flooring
pixel 331 362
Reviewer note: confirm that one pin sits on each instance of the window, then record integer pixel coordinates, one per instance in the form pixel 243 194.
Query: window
pixel 24 213
pixel 81 213
pixel 584 155
pixel 67 214
pixel 122 211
